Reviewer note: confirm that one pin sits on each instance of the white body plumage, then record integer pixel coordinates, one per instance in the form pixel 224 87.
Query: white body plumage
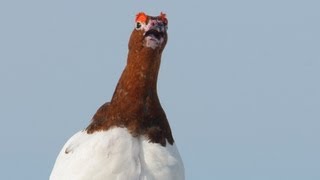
pixel 116 155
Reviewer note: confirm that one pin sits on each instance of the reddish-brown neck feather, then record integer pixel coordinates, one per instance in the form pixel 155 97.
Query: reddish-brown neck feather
pixel 135 104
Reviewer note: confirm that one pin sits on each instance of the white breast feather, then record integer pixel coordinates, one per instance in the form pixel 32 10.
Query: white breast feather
pixel 116 155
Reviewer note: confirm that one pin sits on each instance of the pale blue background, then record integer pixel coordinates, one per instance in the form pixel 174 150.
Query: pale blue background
pixel 239 82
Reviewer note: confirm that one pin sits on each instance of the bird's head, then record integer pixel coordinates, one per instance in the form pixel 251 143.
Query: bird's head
pixel 150 32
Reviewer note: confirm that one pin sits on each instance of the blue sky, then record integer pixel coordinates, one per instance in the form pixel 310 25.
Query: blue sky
pixel 239 82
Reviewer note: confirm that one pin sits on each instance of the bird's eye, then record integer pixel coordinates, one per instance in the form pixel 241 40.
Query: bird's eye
pixel 138 25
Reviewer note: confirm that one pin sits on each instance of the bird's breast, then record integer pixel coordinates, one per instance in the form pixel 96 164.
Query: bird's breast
pixel 116 154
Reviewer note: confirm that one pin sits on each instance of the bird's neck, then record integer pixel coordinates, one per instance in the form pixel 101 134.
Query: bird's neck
pixel 138 80
pixel 136 93
pixel 135 103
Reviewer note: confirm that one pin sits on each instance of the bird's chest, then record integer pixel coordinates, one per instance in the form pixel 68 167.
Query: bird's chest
pixel 116 154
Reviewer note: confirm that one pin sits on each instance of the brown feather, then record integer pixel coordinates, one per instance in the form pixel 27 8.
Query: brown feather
pixel 135 104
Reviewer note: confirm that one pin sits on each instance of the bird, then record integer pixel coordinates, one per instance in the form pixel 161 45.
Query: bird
pixel 128 138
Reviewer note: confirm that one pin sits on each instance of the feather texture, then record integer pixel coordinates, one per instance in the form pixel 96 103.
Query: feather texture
pixel 116 155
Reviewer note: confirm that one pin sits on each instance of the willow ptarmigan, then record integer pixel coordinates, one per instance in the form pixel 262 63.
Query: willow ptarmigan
pixel 129 137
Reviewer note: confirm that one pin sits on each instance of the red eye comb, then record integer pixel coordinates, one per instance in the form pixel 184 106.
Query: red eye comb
pixel 141 17
pixel 163 17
